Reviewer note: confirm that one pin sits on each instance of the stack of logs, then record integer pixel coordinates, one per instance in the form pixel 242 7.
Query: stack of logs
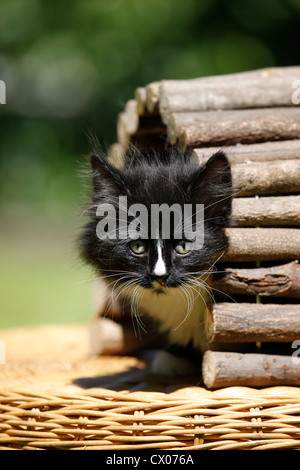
pixel 252 117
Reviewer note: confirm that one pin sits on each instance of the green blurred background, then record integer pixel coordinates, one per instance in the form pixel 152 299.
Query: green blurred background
pixel 69 67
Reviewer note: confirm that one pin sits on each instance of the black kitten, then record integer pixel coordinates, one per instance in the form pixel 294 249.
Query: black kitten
pixel 166 278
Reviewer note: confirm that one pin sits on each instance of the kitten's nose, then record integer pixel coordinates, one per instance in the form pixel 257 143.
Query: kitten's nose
pixel 161 280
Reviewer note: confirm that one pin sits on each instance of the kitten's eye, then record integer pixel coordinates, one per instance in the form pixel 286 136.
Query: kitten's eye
pixel 138 247
pixel 183 247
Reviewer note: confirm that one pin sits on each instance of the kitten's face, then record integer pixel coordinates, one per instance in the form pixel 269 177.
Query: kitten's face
pixel 162 262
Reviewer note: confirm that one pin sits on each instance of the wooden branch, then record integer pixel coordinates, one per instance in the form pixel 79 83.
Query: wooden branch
pixel 140 97
pixel 223 369
pixel 255 93
pixel 258 88
pixel 262 244
pixel 251 322
pixel 197 84
pixel 152 93
pixel 279 281
pixel 262 178
pixel 266 211
pixel 247 126
pixel 262 152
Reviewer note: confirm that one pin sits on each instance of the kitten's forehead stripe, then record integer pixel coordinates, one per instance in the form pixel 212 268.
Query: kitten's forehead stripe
pixel 160 267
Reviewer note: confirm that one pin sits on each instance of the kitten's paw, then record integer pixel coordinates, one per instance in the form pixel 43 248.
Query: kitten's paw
pixel 170 365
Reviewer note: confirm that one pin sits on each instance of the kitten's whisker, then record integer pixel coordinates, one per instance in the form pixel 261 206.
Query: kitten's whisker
pixel 205 272
pixel 189 306
pixel 175 184
pixel 224 293
pixel 85 281
pixel 118 291
pixel 134 311
pixel 117 280
pixel 198 285
pixel 210 269
pixel 119 271
pixel 122 286
pixel 210 288
pixel 113 275
pixel 231 195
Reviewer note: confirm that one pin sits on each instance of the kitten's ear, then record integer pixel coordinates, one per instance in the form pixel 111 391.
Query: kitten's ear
pixel 105 175
pixel 212 186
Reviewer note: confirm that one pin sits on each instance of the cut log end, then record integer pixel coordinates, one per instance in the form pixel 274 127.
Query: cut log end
pixel 140 96
pixel 152 96
pixel 209 369
pixel 227 369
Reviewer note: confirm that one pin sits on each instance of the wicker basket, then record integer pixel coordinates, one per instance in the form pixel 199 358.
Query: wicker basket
pixel 55 396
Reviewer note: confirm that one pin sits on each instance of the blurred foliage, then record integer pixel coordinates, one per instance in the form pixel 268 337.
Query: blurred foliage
pixel 70 67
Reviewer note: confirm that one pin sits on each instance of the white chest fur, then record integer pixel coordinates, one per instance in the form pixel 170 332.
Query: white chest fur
pixel 180 313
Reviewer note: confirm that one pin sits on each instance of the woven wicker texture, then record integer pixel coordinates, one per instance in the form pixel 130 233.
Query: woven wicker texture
pixel 44 405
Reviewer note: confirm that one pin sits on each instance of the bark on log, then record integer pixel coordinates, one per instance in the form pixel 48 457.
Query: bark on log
pixel 255 93
pixel 251 322
pixel 223 369
pixel 262 178
pixel 266 211
pixel 279 281
pixel 197 84
pixel 262 244
pixel 209 128
pixel 263 152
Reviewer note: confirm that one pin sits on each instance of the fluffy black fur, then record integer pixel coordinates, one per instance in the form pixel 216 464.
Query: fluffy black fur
pixel 148 179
